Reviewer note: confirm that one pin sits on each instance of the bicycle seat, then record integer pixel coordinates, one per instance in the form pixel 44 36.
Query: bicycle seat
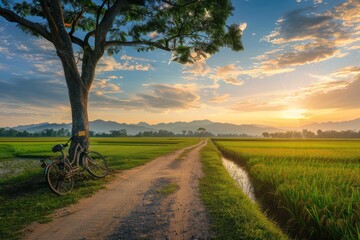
pixel 57 148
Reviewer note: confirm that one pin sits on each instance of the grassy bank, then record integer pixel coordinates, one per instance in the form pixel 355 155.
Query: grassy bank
pixel 24 195
pixel 312 187
pixel 233 215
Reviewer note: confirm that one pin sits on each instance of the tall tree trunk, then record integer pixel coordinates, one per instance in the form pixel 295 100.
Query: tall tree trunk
pixel 78 89
pixel 78 95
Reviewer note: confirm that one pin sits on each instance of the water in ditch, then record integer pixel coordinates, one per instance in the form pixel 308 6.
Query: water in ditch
pixel 239 174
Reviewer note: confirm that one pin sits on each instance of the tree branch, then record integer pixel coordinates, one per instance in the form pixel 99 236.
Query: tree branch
pixel 48 16
pixel 35 27
pixel 58 16
pixel 78 41
pixel 87 36
pixel 75 22
pixel 136 43
pixel 105 25
pixel 99 11
pixel 179 5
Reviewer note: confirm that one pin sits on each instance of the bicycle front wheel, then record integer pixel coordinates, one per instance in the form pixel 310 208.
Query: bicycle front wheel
pixel 58 178
pixel 95 164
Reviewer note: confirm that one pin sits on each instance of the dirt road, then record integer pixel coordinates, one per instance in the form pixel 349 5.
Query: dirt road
pixel 138 205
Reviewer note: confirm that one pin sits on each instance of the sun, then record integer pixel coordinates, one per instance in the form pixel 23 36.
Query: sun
pixel 296 113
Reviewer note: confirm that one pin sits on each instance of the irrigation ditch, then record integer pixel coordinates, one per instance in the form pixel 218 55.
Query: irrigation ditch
pixel 259 192
pixel 240 175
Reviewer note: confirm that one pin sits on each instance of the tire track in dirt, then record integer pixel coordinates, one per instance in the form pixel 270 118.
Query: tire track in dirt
pixel 131 207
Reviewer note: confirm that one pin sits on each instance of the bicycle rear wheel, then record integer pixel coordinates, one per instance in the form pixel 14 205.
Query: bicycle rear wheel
pixel 58 178
pixel 95 164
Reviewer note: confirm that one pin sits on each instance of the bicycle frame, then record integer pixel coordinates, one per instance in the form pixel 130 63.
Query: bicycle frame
pixel 60 172
pixel 78 150
pixel 76 158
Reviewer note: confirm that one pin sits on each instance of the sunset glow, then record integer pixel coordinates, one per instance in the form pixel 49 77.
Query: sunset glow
pixel 300 65
pixel 294 114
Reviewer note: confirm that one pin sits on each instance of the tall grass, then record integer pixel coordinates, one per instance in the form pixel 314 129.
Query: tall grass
pixel 315 184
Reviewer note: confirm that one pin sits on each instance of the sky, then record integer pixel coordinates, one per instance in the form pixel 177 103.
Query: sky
pixel 300 64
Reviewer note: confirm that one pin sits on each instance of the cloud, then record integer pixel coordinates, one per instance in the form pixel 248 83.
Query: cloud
pixel 339 89
pixel 355 47
pixel 103 101
pixel 258 106
pixel 346 97
pixel 300 25
pixel 109 64
pixel 157 97
pixel 197 70
pixel 153 34
pixel 243 26
pixel 22 47
pixel 101 87
pixel 347 72
pixel 163 96
pixel 229 74
pixel 3 67
pixel 45 45
pixel 309 53
pixel 348 12
pixel 220 99
pixel 315 1
pixel 131 58
pixel 304 36
pixel 37 91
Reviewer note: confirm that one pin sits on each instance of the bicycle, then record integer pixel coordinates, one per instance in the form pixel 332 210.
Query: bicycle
pixel 60 172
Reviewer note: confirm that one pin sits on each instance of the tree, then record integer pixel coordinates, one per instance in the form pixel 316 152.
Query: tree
pixel 201 131
pixel 83 30
pixel 118 133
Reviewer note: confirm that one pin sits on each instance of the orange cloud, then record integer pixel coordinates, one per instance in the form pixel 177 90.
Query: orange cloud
pixel 220 99
pixel 109 64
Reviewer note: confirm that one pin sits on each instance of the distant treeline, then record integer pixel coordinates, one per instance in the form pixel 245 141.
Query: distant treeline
pixel 9 132
pixel 309 134
pixel 165 133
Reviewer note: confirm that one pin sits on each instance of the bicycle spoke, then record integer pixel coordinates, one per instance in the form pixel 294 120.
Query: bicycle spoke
pixel 58 179
pixel 95 164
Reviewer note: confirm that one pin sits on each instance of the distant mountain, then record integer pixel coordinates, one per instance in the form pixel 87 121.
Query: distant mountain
pixel 25 127
pixel 215 127
pixel 42 126
pixel 107 126
pixel 97 126
pixel 337 126
pixel 100 126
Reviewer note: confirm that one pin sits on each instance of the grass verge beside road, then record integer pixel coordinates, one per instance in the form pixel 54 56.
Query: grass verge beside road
pixel 24 194
pixel 233 215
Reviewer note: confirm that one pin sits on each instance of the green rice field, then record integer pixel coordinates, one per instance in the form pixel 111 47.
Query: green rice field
pixel 311 187
pixel 24 194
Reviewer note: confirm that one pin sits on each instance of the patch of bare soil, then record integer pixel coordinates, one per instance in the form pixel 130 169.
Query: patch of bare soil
pixel 135 205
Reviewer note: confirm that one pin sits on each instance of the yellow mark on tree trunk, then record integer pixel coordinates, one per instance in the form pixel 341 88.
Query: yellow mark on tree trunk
pixel 81 133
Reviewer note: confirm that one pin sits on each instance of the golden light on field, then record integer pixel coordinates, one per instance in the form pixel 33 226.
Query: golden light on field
pixel 296 113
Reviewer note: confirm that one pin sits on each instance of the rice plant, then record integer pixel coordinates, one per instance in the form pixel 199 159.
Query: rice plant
pixel 313 186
